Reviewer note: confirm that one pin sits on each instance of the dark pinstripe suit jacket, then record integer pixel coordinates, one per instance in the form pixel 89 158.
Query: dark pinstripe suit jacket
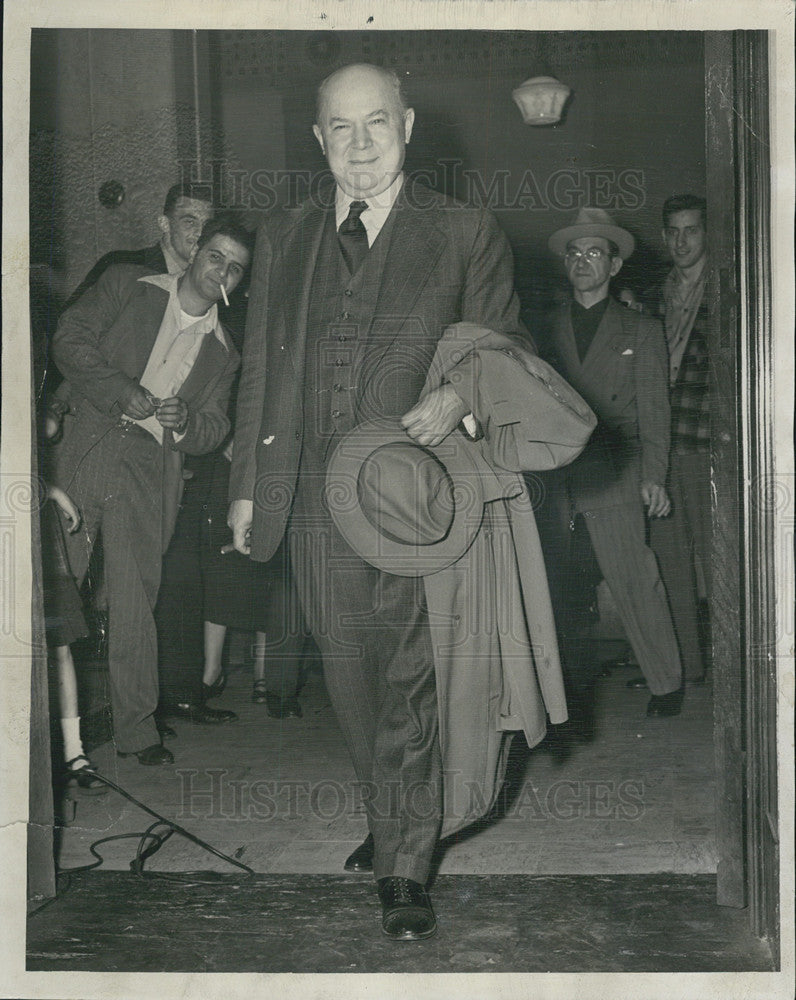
pixel 446 263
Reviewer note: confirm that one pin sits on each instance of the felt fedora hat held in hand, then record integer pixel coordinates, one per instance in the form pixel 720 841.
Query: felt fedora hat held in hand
pixel 592 222
pixel 406 509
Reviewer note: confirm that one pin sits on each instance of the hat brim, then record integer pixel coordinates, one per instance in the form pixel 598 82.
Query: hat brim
pixel 388 554
pixel 562 237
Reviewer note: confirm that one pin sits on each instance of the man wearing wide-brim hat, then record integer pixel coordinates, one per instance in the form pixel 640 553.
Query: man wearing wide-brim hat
pixel 616 359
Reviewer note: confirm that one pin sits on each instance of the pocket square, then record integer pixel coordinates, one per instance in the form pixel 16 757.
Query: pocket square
pixel 628 351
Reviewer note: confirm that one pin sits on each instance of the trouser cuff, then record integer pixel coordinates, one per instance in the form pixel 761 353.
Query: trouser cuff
pixel 402 865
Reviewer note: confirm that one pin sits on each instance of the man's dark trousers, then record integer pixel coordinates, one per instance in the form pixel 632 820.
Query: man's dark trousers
pixel 372 631
pixel 371 627
pixel 117 485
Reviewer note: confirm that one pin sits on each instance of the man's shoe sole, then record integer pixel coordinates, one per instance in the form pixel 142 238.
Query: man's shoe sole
pixel 410 935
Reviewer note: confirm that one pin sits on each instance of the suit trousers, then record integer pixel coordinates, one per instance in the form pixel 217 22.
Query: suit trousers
pixel 115 478
pixel 178 613
pixel 603 488
pixel 629 567
pixel 677 541
pixel 372 631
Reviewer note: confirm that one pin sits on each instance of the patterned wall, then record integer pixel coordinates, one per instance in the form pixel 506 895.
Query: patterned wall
pixel 633 131
pixel 273 56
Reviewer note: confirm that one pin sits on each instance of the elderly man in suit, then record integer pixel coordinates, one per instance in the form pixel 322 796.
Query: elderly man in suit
pixel 149 369
pixel 348 302
pixel 616 359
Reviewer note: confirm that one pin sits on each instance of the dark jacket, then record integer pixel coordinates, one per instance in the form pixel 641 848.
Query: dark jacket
pixel 446 263
pixel 151 258
pixel 101 347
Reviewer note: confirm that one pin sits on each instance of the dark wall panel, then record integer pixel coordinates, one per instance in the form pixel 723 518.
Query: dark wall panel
pixel 633 131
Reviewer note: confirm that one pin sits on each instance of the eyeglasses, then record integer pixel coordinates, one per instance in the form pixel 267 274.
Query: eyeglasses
pixel 592 254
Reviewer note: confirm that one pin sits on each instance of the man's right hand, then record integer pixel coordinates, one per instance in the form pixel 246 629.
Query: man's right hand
pixel 239 519
pixel 137 403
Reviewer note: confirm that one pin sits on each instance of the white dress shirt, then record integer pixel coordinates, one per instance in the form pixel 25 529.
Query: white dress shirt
pixel 176 348
pixel 375 215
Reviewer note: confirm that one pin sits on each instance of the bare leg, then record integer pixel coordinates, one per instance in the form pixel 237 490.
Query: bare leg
pixel 67 682
pixel 259 656
pixel 80 768
pixel 214 646
pixel 67 703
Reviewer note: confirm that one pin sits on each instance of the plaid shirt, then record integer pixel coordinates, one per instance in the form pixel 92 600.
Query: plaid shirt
pixel 690 394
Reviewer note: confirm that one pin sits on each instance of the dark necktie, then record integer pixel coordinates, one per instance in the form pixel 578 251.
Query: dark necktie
pixel 352 236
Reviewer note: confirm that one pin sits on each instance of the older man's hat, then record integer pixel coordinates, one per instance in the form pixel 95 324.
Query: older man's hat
pixel 407 509
pixel 592 222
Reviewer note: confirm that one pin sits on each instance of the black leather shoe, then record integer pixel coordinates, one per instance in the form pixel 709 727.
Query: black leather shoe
pixel 165 731
pixel 151 756
pixel 216 688
pixel 361 860
pixel 406 909
pixel 202 715
pixel 282 708
pixel 636 683
pixel 663 705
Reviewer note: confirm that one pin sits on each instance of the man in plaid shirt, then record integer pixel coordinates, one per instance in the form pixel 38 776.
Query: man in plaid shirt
pixel 683 538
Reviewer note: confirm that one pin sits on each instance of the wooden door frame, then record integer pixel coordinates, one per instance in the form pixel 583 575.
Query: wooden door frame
pixel 743 612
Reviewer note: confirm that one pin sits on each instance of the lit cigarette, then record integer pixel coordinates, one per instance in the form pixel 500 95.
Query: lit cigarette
pixel 224 293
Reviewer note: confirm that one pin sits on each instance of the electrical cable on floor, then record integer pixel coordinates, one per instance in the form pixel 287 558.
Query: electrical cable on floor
pixel 150 842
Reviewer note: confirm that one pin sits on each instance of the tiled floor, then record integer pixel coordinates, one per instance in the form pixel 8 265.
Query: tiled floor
pixel 280 796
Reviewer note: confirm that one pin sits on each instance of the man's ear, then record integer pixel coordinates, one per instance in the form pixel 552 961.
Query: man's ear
pixel 164 225
pixel 409 120
pixel 319 136
pixel 616 266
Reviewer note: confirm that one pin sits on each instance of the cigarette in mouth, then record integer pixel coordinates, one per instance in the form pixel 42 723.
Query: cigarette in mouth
pixel 224 293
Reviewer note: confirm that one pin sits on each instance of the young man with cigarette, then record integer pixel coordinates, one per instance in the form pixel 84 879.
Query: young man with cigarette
pixel 149 369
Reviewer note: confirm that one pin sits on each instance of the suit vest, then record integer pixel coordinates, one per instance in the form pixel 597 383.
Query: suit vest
pixel 341 311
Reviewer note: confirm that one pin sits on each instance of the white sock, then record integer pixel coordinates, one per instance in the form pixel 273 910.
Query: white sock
pixel 73 746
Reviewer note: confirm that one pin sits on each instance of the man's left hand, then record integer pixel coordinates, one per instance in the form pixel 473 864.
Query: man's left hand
pixel 173 413
pixel 656 499
pixel 435 416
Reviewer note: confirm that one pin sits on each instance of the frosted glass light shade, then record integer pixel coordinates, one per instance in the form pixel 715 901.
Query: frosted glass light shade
pixel 541 100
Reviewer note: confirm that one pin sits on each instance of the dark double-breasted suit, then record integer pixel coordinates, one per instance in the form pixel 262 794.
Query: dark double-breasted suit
pixel 126 484
pixel 326 350
pixel 624 379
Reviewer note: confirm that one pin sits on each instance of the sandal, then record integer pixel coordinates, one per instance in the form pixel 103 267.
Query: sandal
pixel 83 775
pixel 260 693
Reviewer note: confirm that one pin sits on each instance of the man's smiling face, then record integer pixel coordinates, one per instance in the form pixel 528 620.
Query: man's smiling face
pixel 183 226
pixel 685 238
pixel 363 130
pixel 221 259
